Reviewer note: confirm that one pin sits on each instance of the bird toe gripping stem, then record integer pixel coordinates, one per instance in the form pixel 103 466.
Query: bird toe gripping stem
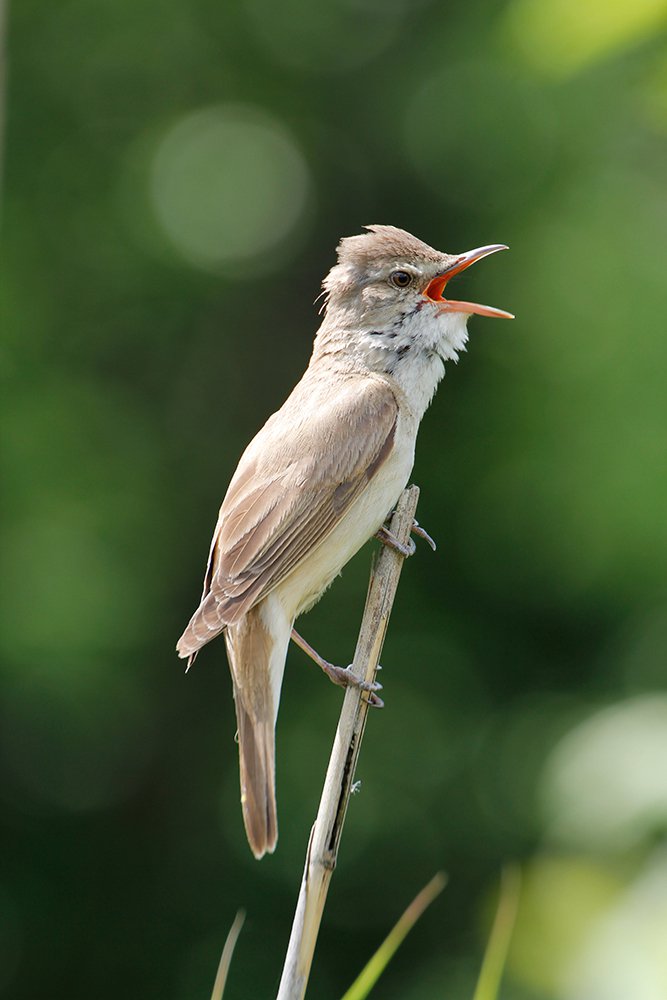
pixel 342 676
pixel 385 536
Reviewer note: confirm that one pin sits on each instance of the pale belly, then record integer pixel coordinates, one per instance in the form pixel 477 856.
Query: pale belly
pixel 301 589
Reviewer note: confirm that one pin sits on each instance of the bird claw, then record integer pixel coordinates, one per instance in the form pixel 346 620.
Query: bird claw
pixel 389 539
pixel 422 533
pixel 345 678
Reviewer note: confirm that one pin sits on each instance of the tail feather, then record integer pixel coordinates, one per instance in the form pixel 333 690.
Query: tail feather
pixel 256 649
pixel 257 767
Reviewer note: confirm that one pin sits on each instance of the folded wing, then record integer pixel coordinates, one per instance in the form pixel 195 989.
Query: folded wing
pixel 294 484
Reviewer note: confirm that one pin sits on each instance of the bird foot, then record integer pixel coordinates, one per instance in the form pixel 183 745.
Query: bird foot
pixel 389 539
pixel 342 676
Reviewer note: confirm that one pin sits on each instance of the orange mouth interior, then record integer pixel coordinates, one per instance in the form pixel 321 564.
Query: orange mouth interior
pixel 435 288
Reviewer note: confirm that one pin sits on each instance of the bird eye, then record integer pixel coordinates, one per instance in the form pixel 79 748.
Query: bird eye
pixel 400 278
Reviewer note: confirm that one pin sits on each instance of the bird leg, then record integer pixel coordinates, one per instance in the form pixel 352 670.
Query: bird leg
pixel 342 676
pixel 388 538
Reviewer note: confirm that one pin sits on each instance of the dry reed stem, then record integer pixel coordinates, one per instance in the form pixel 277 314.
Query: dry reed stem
pixel 325 835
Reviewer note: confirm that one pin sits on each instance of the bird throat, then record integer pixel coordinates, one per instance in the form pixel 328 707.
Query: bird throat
pixel 413 349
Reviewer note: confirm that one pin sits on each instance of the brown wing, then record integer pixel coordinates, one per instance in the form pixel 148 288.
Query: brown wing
pixel 293 485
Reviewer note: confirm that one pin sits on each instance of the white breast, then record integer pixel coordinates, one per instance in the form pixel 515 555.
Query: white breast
pixel 310 579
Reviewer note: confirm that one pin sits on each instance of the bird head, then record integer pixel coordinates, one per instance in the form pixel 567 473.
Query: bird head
pixel 387 273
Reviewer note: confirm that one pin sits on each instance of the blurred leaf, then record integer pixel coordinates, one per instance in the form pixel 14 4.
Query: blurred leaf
pixel 564 36
pixel 227 955
pixel 495 956
pixel 370 974
pixel 563 900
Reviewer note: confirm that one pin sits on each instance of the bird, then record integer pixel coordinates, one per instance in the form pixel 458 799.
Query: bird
pixel 322 476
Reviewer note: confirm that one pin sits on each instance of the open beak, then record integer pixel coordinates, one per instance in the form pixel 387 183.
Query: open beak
pixel 436 286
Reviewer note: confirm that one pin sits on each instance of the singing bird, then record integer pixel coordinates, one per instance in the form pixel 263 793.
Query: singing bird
pixel 323 474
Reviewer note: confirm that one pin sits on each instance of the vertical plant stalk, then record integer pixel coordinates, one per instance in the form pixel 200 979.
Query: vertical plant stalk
pixel 227 955
pixel 325 835
pixel 495 956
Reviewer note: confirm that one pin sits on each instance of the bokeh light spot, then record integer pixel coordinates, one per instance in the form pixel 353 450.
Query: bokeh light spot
pixel 624 955
pixel 227 185
pixel 562 899
pixel 605 784
pixel 561 37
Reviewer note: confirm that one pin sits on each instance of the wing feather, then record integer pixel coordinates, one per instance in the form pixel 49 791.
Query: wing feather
pixel 294 484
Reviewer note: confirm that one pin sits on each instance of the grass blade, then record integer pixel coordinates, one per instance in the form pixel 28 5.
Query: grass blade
pixel 371 972
pixel 495 956
pixel 226 957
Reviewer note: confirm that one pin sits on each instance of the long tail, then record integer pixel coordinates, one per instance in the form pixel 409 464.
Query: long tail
pixel 257 648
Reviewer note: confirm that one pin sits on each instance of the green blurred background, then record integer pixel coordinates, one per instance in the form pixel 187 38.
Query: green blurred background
pixel 176 178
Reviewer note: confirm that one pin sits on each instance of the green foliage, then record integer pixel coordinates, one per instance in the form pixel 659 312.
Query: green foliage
pixel 175 180
pixel 495 956
pixel 373 969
